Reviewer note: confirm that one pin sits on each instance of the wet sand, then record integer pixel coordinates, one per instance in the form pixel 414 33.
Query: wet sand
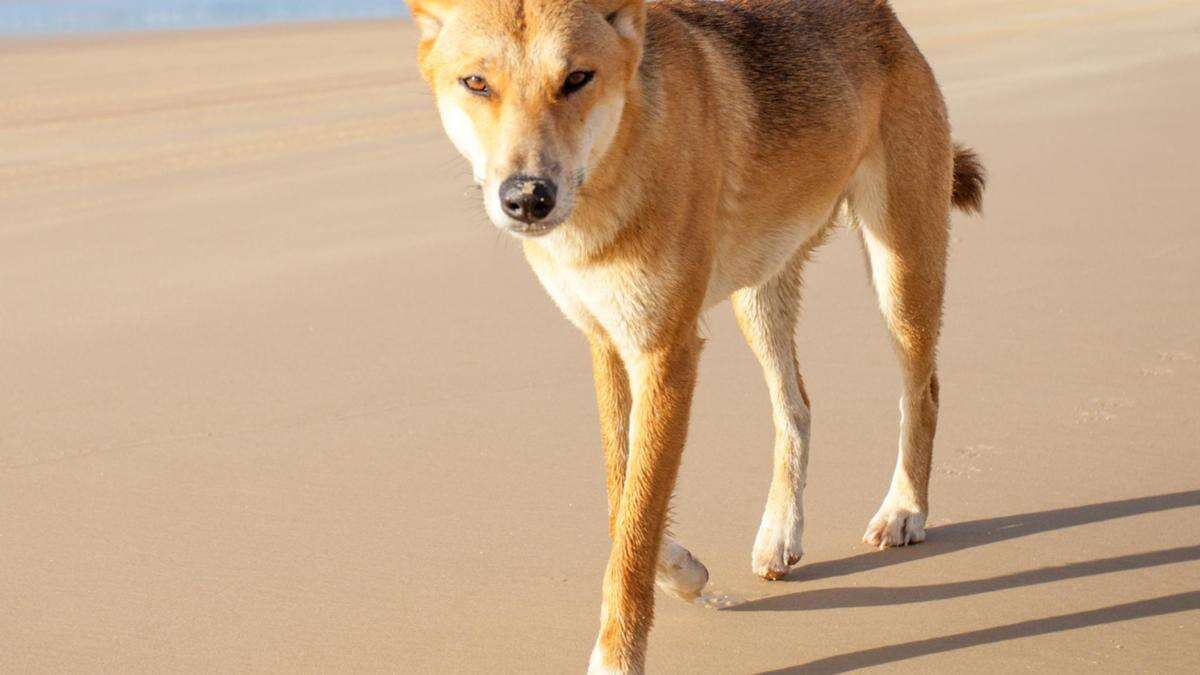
pixel 277 397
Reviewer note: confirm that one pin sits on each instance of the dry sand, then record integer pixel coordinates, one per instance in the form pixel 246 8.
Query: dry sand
pixel 276 397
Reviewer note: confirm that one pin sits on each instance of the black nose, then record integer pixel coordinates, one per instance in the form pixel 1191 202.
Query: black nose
pixel 527 199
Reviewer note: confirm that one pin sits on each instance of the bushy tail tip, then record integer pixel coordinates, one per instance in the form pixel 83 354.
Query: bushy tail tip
pixel 970 179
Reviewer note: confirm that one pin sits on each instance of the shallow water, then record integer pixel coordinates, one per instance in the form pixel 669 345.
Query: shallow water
pixel 51 17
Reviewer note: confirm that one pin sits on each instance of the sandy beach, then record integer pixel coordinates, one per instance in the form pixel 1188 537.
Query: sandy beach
pixel 277 397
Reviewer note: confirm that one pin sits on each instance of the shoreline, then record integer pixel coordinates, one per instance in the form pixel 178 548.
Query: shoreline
pixel 24 40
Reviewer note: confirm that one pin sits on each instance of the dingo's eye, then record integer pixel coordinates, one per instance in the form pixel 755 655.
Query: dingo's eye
pixel 576 81
pixel 476 85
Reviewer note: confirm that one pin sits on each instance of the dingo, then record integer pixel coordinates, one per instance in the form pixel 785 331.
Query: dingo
pixel 657 158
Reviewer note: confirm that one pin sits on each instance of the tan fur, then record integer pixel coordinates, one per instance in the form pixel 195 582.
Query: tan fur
pixel 712 151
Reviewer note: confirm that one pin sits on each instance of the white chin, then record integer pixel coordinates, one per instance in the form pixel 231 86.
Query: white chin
pixel 531 230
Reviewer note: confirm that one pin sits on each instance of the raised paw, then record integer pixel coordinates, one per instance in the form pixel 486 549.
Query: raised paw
pixel 895 526
pixel 679 573
pixel 777 546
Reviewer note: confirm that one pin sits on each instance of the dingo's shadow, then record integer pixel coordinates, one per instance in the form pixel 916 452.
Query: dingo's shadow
pixel 877 596
pixel 961 536
pixel 1170 604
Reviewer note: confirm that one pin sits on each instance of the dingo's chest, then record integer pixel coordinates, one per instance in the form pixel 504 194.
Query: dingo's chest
pixel 626 305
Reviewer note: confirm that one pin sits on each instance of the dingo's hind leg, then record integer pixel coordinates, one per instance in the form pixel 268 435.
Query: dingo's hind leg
pixel 903 211
pixel 767 315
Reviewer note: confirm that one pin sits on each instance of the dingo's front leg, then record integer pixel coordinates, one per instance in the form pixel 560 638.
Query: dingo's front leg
pixel 680 574
pixel 661 384
pixel 613 403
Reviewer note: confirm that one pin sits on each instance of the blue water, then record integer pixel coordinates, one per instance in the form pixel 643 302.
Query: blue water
pixel 51 17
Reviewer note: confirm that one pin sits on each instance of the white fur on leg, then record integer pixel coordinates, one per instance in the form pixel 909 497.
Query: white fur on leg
pixel 596 663
pixel 767 315
pixel 679 573
pixel 777 546
pixel 896 524
pixel 597 666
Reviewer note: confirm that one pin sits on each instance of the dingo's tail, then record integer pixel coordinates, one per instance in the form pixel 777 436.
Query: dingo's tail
pixel 969 180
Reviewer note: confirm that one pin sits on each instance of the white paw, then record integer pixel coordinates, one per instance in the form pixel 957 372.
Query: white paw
pixel 895 526
pixel 679 573
pixel 777 546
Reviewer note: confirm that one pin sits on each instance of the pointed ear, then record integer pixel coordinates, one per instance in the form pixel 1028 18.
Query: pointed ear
pixel 429 15
pixel 627 17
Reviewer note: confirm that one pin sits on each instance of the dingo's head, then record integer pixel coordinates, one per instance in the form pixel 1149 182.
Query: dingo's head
pixel 531 92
